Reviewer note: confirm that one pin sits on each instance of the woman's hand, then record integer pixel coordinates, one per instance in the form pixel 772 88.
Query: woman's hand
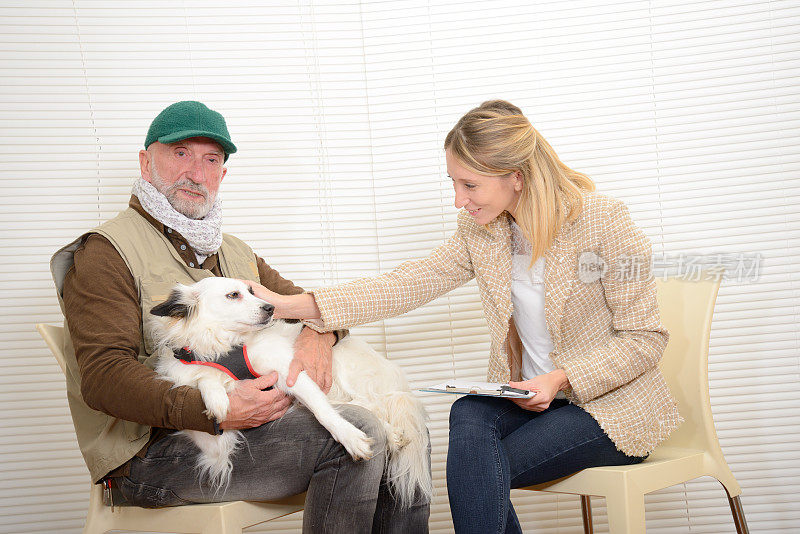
pixel 264 294
pixel 300 306
pixel 546 387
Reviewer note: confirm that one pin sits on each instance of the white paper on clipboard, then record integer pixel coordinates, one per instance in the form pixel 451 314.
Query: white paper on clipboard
pixel 475 387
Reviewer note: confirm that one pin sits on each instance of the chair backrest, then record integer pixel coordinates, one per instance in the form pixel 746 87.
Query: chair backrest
pixel 686 309
pixel 54 337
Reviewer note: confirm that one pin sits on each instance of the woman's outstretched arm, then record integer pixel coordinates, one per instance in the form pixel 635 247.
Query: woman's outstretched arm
pixel 365 300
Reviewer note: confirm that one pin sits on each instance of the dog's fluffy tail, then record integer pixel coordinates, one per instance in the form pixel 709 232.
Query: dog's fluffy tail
pixel 408 465
pixel 214 461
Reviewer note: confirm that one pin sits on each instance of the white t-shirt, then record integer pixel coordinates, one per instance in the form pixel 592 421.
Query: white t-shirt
pixel 527 295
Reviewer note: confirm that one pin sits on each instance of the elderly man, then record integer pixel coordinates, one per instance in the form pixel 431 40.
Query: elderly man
pixel 126 417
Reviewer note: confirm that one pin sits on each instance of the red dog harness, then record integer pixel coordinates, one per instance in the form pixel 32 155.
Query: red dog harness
pixel 235 363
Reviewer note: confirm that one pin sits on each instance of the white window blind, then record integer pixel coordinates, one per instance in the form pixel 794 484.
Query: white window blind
pixel 688 111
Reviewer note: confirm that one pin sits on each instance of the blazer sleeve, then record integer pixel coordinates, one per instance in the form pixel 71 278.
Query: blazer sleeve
pixel 638 338
pixel 409 286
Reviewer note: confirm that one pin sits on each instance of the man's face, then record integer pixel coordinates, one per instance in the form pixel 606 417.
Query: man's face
pixel 187 173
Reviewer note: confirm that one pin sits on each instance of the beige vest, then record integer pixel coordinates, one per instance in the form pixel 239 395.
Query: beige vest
pixel 105 441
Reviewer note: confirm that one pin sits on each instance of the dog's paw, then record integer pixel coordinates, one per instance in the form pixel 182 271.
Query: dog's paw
pixel 357 444
pixel 217 404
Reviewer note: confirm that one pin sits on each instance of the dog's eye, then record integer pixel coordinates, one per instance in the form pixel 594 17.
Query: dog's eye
pixel 233 295
pixel 250 289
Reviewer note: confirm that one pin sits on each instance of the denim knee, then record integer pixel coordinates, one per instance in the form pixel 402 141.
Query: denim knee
pixel 469 409
pixel 366 421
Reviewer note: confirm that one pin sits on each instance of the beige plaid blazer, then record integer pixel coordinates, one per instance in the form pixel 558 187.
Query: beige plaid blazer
pixel 603 322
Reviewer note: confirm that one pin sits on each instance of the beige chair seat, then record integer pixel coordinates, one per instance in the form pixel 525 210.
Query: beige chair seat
pixel 216 518
pixel 668 466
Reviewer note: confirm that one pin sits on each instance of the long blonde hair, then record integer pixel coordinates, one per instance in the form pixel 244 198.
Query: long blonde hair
pixel 496 139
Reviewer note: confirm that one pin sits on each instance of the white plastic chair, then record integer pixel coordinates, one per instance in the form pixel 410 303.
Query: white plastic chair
pixel 216 518
pixel 693 449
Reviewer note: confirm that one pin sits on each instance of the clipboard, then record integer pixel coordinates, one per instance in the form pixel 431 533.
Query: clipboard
pixel 485 389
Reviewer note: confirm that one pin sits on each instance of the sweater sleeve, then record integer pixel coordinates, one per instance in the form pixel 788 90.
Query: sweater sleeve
pixel 104 317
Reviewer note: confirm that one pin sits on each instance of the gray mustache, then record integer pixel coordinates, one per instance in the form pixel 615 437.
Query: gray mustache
pixel 188 184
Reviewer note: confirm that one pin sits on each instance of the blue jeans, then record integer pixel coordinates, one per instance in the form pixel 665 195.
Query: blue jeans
pixel 496 445
pixel 282 458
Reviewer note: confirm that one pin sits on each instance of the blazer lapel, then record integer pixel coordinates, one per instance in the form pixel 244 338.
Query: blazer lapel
pixel 501 258
pixel 559 279
pixel 495 264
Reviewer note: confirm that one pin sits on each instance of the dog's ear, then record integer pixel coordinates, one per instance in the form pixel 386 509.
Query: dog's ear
pixel 174 306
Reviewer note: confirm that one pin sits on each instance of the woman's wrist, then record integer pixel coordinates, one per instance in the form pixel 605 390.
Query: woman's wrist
pixel 301 306
pixel 560 379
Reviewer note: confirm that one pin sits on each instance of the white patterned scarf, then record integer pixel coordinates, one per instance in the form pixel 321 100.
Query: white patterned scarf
pixel 204 235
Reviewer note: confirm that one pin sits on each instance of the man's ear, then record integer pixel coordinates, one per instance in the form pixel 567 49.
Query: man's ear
pixel 144 165
pixel 175 306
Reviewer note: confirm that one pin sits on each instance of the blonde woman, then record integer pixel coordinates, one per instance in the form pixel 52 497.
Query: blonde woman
pixel 564 277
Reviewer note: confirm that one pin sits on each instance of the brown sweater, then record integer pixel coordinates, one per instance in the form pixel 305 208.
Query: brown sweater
pixel 102 307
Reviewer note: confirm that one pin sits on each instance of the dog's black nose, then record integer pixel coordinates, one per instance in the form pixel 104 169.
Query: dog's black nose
pixel 268 308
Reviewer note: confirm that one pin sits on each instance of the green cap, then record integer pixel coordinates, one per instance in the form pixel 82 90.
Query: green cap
pixel 186 119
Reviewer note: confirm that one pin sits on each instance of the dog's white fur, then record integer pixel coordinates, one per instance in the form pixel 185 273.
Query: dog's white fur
pixel 216 314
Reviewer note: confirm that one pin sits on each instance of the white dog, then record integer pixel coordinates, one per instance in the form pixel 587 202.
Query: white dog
pixel 216 315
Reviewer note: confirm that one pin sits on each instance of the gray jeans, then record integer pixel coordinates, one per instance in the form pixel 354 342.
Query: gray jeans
pixel 279 459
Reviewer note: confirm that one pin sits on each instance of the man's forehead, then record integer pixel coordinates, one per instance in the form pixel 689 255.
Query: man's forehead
pixel 202 143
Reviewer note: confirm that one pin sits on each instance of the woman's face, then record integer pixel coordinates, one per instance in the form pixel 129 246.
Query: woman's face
pixel 484 197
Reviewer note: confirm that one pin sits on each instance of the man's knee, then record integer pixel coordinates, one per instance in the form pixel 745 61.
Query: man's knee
pixel 365 421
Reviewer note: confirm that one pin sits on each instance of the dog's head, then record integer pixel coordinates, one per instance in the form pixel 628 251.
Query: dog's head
pixel 224 308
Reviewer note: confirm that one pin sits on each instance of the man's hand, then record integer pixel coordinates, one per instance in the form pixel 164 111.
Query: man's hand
pixel 546 387
pixel 312 354
pixel 250 407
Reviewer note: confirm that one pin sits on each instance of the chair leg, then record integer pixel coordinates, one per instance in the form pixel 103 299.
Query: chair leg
pixel 625 513
pixel 586 512
pixel 738 515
